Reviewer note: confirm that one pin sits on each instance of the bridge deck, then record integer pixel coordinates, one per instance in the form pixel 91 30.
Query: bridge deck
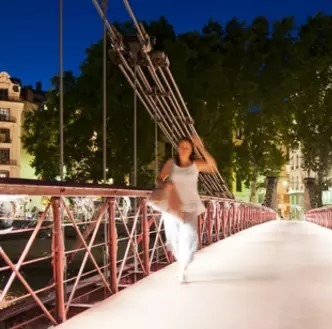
pixel 276 275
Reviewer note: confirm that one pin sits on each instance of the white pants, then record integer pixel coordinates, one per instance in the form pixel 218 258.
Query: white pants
pixel 181 235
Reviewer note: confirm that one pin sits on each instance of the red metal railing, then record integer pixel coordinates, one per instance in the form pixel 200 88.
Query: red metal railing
pixel 320 216
pixel 82 260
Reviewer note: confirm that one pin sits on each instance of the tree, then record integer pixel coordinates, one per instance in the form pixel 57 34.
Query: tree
pixel 83 127
pixel 83 120
pixel 41 129
pixel 204 86
pixel 311 96
pixel 261 112
pixel 258 78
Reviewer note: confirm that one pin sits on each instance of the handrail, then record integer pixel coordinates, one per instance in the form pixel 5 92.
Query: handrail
pixel 90 258
pixel 321 216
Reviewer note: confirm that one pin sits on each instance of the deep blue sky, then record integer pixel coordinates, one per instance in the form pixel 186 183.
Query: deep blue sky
pixel 29 38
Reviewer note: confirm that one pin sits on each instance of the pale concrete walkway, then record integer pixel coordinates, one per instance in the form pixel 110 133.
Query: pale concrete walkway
pixel 273 276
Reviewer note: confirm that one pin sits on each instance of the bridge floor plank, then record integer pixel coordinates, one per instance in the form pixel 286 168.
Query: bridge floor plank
pixel 277 275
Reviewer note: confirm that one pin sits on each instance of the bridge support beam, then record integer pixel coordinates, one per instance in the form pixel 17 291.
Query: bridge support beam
pixel 113 246
pixel 58 261
pixel 146 239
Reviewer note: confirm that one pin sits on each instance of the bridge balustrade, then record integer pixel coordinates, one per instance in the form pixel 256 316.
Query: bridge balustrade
pixel 320 216
pixel 89 242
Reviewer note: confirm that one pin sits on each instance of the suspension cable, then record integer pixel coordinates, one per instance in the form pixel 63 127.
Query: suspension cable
pixel 104 4
pixel 163 100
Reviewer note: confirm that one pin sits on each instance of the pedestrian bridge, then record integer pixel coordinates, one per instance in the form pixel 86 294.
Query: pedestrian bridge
pixel 109 264
pixel 271 276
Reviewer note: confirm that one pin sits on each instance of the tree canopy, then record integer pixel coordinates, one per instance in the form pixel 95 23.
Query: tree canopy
pixel 270 81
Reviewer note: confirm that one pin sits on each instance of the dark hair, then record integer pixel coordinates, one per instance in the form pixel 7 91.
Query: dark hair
pixel 192 156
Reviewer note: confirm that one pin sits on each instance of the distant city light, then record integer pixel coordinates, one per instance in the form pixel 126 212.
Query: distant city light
pixel 285 183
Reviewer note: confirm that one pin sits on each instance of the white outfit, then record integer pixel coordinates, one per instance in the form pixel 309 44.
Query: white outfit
pixel 181 233
pixel 185 180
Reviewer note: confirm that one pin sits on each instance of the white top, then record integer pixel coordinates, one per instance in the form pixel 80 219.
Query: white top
pixel 185 180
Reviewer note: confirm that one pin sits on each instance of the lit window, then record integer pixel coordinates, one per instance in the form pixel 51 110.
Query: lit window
pixel 4 174
pixel 4 114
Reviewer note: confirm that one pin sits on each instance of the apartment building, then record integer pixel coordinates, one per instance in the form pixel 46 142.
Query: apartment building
pixel 14 101
pixel 296 183
pixel 11 110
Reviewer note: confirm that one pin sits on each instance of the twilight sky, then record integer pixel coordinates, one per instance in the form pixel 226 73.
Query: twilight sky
pixel 29 48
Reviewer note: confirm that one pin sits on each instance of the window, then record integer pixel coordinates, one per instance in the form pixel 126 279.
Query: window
pixel 4 156
pixel 327 197
pixel 292 162
pixel 293 183
pixel 297 183
pixel 4 135
pixel 4 114
pixel 4 174
pixel 3 93
pixel 297 162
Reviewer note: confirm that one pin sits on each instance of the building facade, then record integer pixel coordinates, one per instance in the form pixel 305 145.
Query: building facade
pixel 296 178
pixel 11 110
pixel 283 198
pixel 14 101
pixel 296 184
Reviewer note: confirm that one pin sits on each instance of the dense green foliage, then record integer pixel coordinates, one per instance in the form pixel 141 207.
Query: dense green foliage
pixel 271 82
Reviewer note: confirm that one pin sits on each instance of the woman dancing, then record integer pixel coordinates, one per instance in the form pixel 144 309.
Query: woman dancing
pixel 180 176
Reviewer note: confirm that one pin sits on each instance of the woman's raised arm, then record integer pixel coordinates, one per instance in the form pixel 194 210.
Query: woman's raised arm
pixel 207 165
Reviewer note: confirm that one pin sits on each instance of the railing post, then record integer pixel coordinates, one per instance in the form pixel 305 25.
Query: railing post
pixel 209 223
pixel 234 218
pixel 225 214
pixel 241 217
pixel 231 218
pixel 58 260
pixel 113 245
pixel 146 238
pixel 245 216
pixel 250 216
pixel 218 221
pixel 237 218
pixel 245 226
pixel 262 215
